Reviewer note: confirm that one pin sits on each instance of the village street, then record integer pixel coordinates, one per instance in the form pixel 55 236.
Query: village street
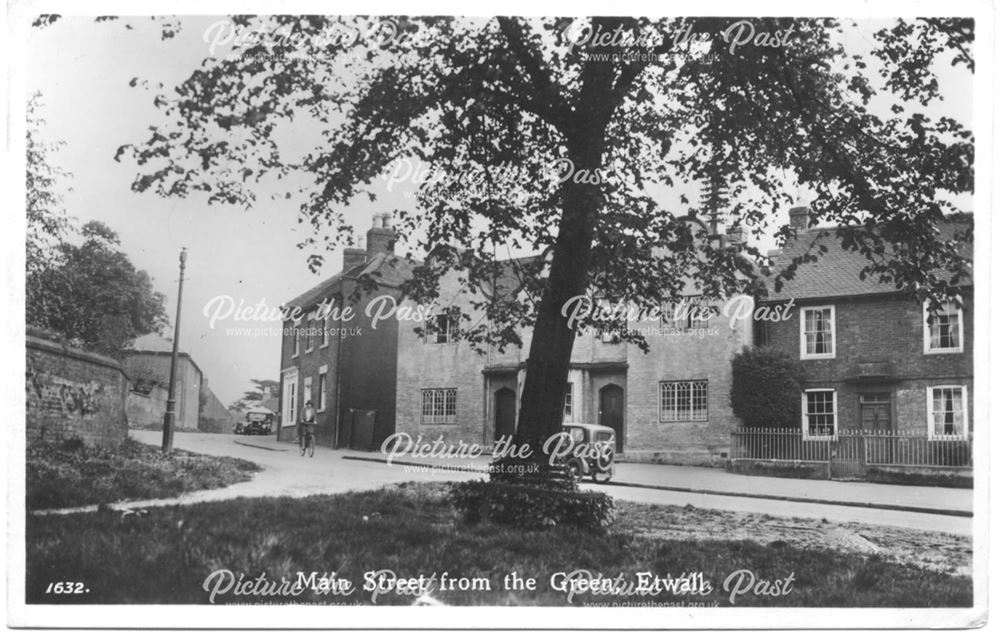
pixel 286 473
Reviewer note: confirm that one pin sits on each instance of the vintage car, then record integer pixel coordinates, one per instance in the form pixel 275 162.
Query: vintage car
pixel 259 420
pixel 589 450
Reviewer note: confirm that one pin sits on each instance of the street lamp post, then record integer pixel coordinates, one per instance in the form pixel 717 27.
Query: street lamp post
pixel 168 416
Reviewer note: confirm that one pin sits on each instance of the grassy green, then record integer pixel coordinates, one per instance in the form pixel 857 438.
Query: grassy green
pixel 166 555
pixel 70 474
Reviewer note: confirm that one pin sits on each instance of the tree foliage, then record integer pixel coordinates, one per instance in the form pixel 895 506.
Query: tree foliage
pixel 97 298
pixel 765 391
pixel 256 395
pixel 47 222
pixel 621 105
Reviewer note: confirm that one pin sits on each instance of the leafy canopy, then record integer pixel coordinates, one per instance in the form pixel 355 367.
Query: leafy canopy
pixel 478 99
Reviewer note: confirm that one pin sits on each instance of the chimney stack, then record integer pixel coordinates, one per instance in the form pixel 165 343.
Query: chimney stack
pixel 353 257
pixel 798 217
pixel 736 236
pixel 381 237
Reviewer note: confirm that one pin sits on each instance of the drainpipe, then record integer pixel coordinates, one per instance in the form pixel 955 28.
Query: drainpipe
pixel 337 366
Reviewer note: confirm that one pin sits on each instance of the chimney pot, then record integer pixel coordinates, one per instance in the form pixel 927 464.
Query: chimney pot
pixel 381 237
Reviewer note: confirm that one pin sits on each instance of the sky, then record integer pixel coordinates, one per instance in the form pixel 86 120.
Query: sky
pixel 83 70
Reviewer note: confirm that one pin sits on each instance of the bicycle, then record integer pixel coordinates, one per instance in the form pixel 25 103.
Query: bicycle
pixel 307 442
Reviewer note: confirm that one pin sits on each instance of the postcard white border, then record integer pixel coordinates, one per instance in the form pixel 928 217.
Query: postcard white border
pixel 284 617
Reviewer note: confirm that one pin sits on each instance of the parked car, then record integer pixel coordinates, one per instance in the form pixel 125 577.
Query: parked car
pixel 259 420
pixel 590 451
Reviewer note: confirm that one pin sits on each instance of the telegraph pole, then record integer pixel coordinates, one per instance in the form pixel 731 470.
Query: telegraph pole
pixel 168 416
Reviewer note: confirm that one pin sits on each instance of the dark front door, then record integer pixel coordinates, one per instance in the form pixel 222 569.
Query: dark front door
pixel 876 421
pixel 504 403
pixel 612 412
pixel 875 412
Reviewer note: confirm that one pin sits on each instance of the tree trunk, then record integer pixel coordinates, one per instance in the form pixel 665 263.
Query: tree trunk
pixel 541 408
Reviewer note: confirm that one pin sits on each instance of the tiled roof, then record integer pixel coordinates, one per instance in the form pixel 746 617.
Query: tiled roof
pixel 837 273
pixel 511 273
pixel 388 269
pixel 153 342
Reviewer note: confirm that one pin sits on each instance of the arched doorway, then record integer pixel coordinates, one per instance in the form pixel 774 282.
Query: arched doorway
pixel 612 412
pixel 504 412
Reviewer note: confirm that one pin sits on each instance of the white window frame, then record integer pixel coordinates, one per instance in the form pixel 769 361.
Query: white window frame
pixel 309 337
pixel 568 403
pixel 321 377
pixel 289 401
pixel 927 332
pixel 439 419
pixel 803 344
pixel 677 410
pixel 694 305
pixel 930 413
pixel 325 341
pixel 451 328
pixel 805 415
pixel 296 348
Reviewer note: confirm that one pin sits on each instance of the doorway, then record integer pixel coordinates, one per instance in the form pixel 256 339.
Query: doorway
pixel 875 412
pixel 876 423
pixel 611 413
pixel 289 399
pixel 504 413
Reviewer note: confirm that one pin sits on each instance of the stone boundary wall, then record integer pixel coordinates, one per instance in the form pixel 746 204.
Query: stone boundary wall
pixel 73 393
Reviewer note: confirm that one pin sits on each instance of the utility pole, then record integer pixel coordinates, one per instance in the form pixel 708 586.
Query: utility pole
pixel 168 416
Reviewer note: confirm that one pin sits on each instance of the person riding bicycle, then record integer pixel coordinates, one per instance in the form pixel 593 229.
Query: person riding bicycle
pixel 307 424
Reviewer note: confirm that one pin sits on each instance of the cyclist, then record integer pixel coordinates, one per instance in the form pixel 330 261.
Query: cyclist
pixel 306 425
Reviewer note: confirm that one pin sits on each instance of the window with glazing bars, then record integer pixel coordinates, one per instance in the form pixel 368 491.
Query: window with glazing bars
pixel 438 406
pixel 683 401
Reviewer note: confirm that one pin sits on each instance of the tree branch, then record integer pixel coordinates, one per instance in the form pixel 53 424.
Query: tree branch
pixel 548 98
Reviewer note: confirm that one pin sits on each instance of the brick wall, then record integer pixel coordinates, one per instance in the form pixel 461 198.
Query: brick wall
pixel 879 329
pixel 73 393
pixel 702 354
pixel 308 363
pixel 699 354
pixel 439 365
pixel 426 365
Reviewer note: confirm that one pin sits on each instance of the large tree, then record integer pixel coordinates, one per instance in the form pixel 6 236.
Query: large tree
pixel 255 396
pixel 98 299
pixel 590 116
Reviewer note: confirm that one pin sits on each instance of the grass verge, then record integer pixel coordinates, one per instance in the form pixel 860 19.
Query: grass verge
pixel 169 555
pixel 70 474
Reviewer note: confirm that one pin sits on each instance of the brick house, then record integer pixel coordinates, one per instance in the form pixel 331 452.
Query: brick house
pixel 870 360
pixel 346 367
pixel 669 405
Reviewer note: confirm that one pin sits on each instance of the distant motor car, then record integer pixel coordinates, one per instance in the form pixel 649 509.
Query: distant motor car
pixel 259 421
pixel 591 451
